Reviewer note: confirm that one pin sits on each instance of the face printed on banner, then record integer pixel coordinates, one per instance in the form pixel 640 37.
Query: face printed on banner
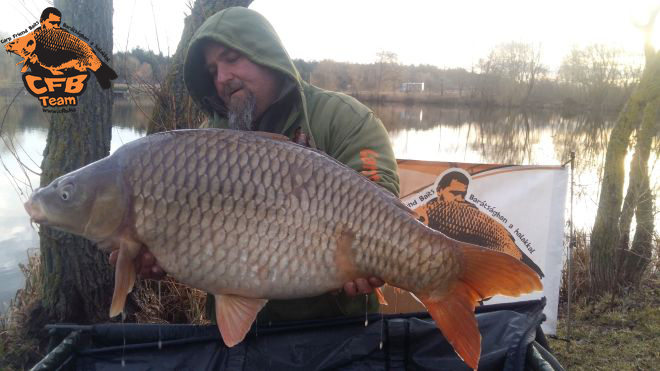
pixel 455 191
pixel 53 21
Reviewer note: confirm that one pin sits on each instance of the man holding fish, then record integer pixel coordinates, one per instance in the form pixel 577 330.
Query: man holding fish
pixel 238 71
pixel 265 224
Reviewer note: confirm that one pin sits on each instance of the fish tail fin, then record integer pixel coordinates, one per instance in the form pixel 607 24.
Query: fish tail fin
pixel 527 260
pixel 485 273
pixel 104 74
pixel 454 316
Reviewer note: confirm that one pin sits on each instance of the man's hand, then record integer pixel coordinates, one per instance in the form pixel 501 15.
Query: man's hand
pixel 145 264
pixel 362 286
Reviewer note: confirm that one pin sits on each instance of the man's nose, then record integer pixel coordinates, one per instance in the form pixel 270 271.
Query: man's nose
pixel 223 75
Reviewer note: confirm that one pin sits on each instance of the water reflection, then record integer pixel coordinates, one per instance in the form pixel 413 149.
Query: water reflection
pixel 499 135
pixel 23 141
pixel 586 134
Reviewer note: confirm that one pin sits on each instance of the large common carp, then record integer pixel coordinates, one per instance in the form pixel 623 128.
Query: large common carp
pixel 251 217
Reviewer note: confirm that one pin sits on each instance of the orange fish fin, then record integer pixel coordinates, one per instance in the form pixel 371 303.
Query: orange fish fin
pixel 492 273
pixel 124 277
pixel 380 296
pixel 272 136
pixel 453 313
pixel 234 315
pixel 485 273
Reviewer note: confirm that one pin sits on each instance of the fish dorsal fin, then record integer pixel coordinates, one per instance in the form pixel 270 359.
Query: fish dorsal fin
pixel 124 275
pixel 272 136
pixel 234 315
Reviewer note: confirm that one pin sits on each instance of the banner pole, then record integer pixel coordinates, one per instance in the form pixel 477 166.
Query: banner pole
pixel 570 253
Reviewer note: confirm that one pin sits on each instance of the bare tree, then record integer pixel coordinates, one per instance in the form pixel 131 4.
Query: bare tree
pixel 77 276
pixel 174 108
pixel 615 262
pixel 517 67
pixel 595 71
pixel 490 76
pixel 386 72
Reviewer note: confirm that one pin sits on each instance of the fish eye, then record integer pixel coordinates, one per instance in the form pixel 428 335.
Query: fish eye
pixel 66 192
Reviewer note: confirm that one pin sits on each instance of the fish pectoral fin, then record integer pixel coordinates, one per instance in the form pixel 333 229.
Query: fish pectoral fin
pixel 380 296
pixel 124 276
pixel 454 316
pixel 234 315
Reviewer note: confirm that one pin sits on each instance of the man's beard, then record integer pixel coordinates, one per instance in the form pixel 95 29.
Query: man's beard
pixel 240 112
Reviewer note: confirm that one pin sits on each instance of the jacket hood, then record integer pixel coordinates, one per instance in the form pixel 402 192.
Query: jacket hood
pixel 241 29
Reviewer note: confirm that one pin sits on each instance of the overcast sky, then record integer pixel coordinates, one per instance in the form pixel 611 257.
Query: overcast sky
pixel 442 33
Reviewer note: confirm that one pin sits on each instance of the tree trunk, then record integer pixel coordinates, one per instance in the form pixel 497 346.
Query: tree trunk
pixel 605 236
pixel 612 225
pixel 174 108
pixel 77 277
pixel 639 254
pixel 640 201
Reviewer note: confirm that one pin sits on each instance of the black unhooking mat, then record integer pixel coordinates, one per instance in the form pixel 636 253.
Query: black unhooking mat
pixel 511 340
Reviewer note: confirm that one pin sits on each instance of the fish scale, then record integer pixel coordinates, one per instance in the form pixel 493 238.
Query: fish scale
pixel 249 217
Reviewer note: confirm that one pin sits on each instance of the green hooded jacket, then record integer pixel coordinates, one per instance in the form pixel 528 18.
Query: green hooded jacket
pixel 334 123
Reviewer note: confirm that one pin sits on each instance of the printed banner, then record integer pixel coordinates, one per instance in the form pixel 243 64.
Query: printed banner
pixel 518 210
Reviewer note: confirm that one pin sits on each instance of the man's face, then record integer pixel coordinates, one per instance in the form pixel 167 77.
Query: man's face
pixel 242 85
pixel 52 21
pixel 455 191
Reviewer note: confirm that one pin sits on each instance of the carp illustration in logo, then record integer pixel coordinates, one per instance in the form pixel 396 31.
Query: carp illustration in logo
pixel 461 220
pixel 53 49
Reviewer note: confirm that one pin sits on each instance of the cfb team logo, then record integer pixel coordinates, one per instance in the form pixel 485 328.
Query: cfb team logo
pixel 59 62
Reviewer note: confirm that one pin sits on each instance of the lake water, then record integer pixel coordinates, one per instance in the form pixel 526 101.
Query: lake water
pixel 417 132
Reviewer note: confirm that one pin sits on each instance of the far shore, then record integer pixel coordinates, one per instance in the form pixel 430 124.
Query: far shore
pixel 447 99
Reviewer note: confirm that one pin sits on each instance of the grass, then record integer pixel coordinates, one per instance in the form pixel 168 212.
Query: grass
pixel 619 333
pixel 18 348
pixel 611 332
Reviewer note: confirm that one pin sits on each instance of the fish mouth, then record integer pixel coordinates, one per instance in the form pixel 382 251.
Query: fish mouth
pixel 35 211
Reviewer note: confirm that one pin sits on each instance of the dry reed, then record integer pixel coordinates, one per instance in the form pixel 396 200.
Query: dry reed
pixel 175 303
pixel 18 349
